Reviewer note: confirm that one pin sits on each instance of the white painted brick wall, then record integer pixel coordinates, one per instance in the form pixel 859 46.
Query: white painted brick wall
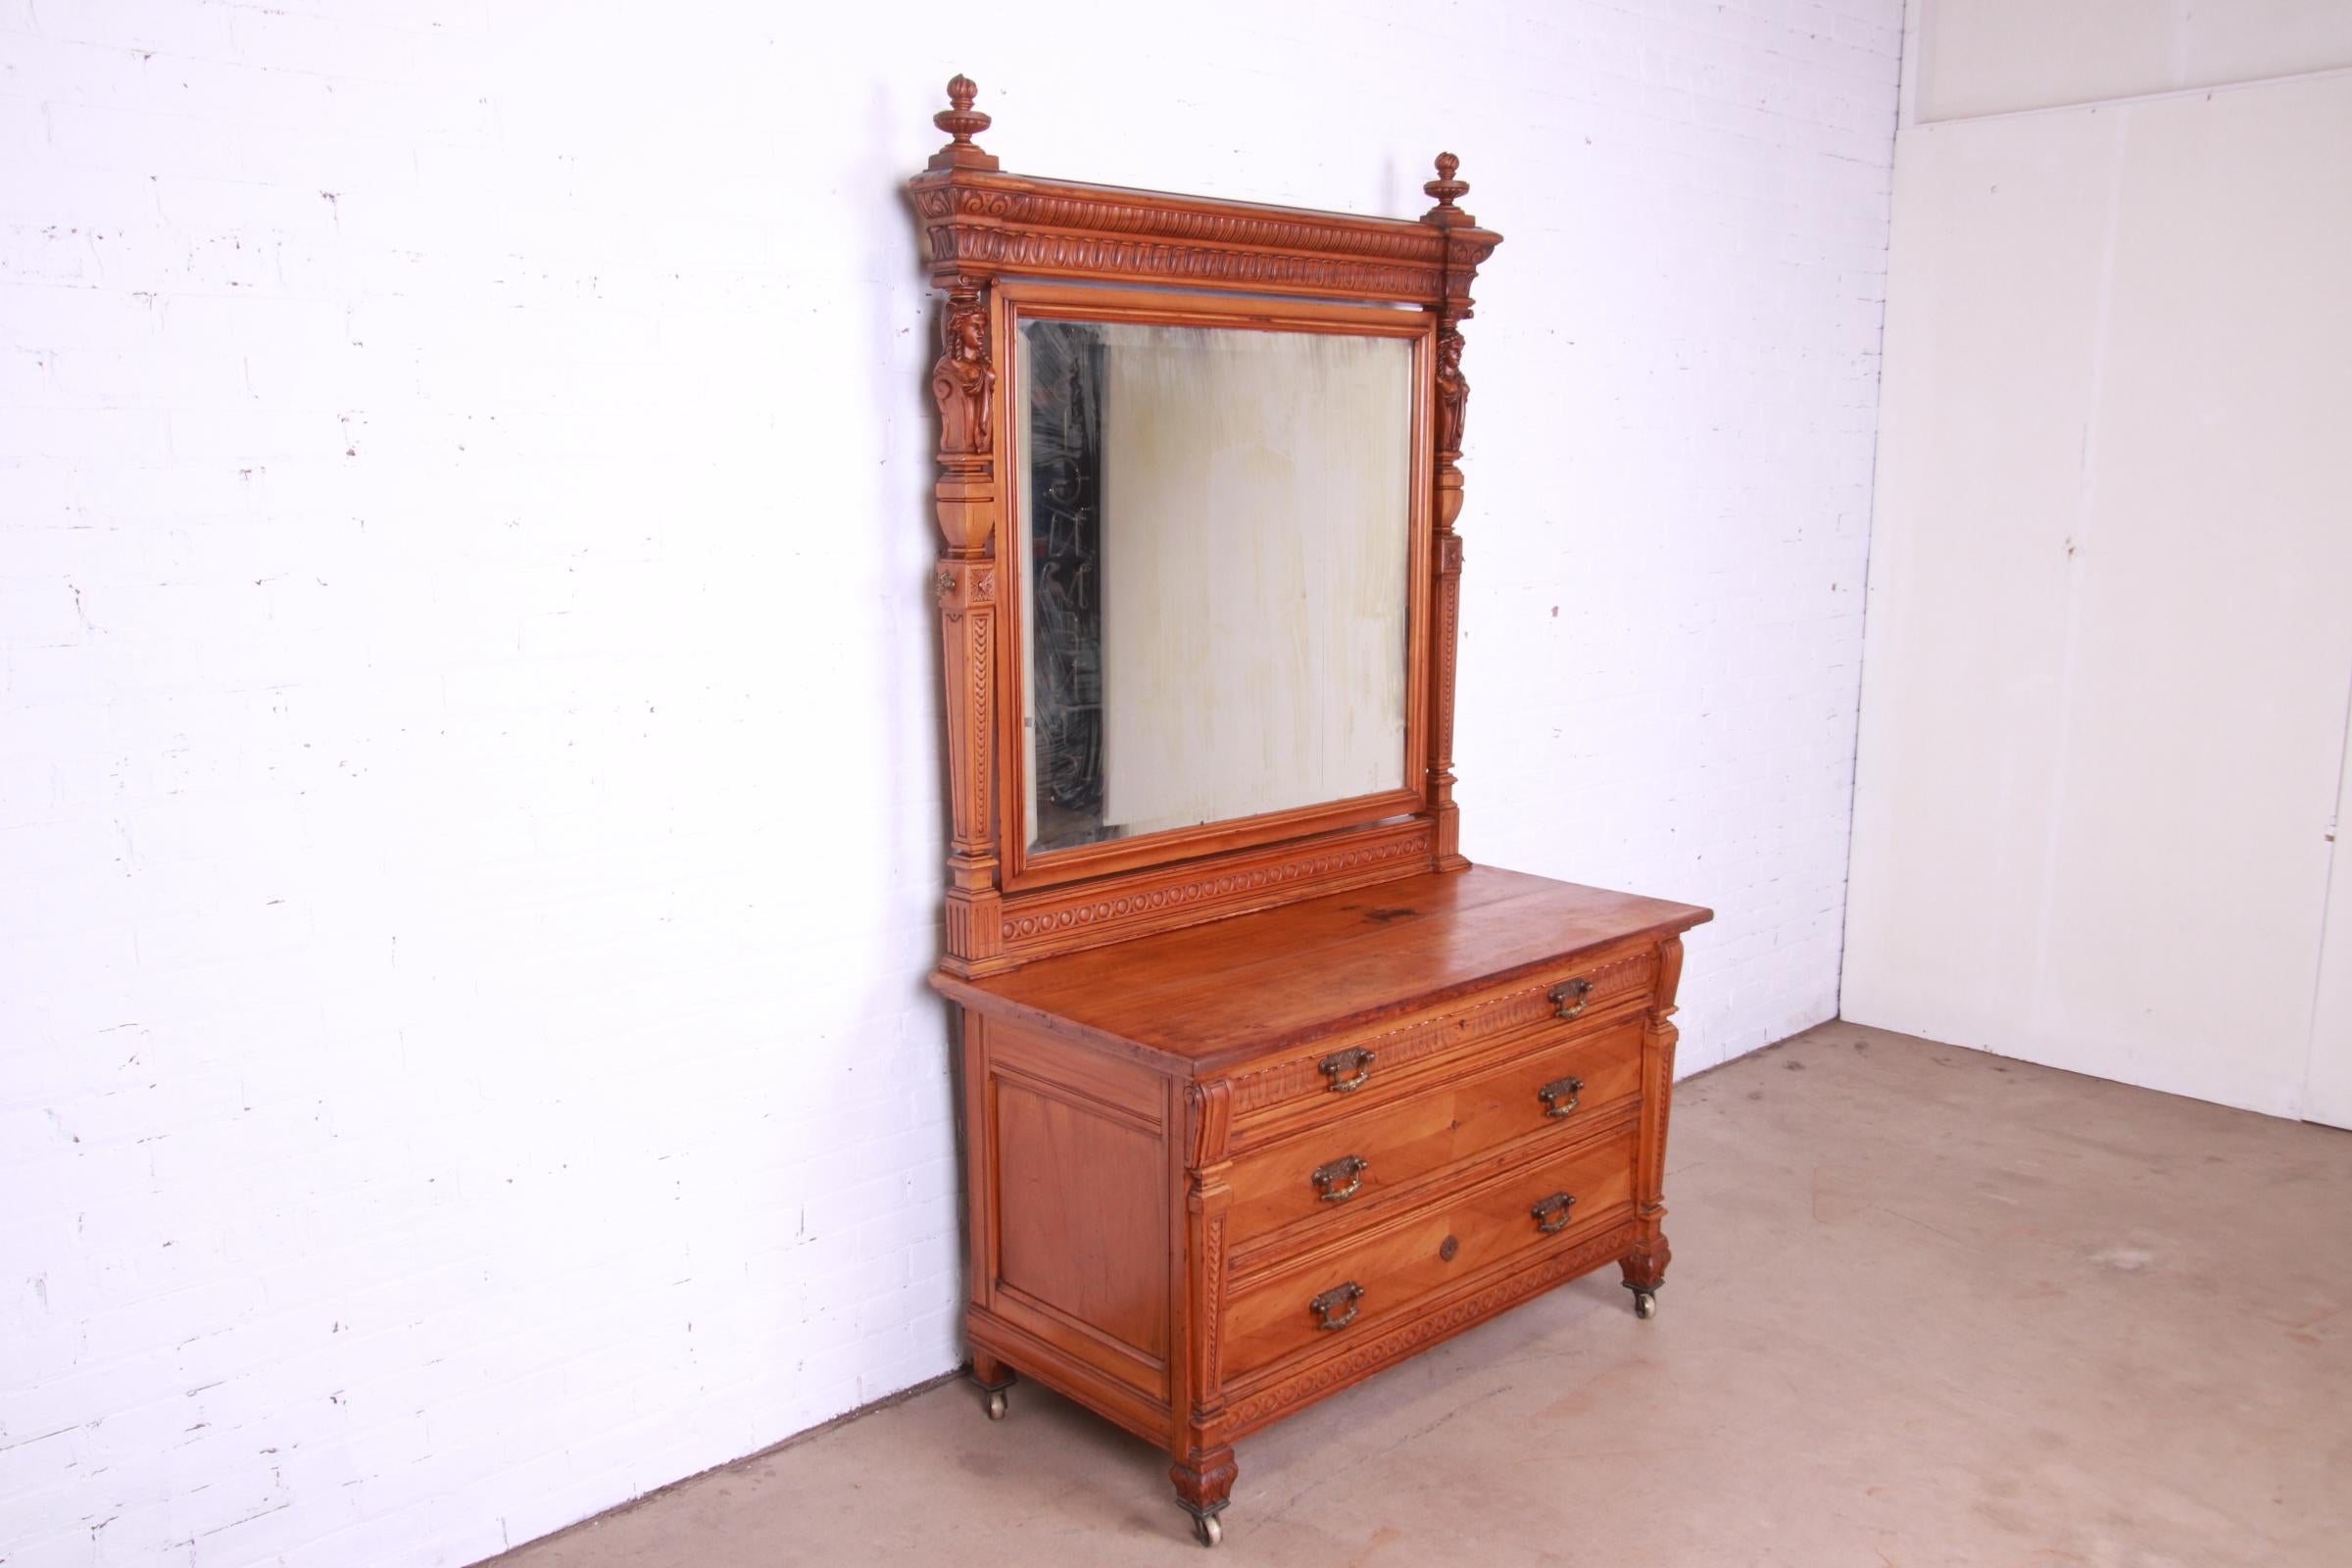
pixel 468 798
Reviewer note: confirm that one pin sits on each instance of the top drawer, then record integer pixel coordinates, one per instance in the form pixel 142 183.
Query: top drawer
pixel 1356 1072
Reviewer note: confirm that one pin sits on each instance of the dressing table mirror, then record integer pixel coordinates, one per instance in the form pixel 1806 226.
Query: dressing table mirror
pixel 1264 1088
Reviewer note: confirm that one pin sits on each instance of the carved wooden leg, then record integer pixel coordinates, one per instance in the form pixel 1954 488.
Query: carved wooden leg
pixel 1203 1485
pixel 1645 1270
pixel 996 1381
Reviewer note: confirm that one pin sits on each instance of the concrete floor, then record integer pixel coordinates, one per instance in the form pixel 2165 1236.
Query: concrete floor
pixel 1927 1306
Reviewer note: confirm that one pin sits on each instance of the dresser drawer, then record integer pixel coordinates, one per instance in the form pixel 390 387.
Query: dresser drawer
pixel 1360 1070
pixel 1360 1156
pixel 1350 1291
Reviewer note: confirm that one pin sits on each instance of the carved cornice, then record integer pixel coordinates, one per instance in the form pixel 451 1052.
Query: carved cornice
pixel 979 223
pixel 1262 1406
pixel 1017 203
pixel 1426 1036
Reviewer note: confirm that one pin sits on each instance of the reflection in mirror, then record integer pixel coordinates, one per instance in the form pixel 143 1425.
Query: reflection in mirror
pixel 1214 539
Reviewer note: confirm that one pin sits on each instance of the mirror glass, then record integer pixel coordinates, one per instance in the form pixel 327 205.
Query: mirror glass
pixel 1214 537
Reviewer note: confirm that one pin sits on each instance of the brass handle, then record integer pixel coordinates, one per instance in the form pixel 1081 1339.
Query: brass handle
pixel 1349 1168
pixel 1568 997
pixel 1559 1096
pixel 1551 1214
pixel 1350 1070
pixel 1323 1307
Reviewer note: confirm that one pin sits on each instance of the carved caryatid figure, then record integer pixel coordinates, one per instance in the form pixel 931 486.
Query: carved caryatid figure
pixel 1453 391
pixel 964 382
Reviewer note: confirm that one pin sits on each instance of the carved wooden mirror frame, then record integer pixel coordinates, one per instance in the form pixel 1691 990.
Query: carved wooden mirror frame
pixel 1000 243
pixel 1016 300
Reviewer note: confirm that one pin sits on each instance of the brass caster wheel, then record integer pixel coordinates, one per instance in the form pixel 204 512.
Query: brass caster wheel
pixel 1207 1529
pixel 995 1405
pixel 1645 1304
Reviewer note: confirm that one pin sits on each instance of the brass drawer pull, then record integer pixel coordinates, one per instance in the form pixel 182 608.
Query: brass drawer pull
pixel 1350 1070
pixel 1349 1168
pixel 1329 1302
pixel 1559 1096
pixel 1568 997
pixel 1551 1214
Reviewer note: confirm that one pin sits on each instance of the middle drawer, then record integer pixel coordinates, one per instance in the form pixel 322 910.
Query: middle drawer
pixel 1356 1159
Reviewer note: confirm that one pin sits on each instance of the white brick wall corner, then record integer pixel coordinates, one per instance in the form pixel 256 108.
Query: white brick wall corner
pixel 469 796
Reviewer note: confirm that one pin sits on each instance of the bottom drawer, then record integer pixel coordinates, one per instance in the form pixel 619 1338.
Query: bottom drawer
pixel 1350 1292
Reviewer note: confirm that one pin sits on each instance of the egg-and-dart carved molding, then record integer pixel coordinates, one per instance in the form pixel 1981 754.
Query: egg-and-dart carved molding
pixel 1028 250
pixel 1084 911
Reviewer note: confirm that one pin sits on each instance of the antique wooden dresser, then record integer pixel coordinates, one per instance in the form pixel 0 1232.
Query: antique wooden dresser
pixel 1264 1087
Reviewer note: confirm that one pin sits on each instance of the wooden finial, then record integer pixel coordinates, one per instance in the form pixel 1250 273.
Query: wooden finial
pixel 1446 188
pixel 963 123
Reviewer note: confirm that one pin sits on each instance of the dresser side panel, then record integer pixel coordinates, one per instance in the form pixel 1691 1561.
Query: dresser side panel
pixel 1074 1206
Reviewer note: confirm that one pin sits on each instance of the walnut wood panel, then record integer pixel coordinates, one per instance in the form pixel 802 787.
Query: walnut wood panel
pixel 1120 1087
pixel 1082 1213
pixel 1372 1156
pixel 1427 1251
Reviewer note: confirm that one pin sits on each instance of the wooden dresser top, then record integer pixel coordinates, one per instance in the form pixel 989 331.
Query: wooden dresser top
pixel 1239 986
